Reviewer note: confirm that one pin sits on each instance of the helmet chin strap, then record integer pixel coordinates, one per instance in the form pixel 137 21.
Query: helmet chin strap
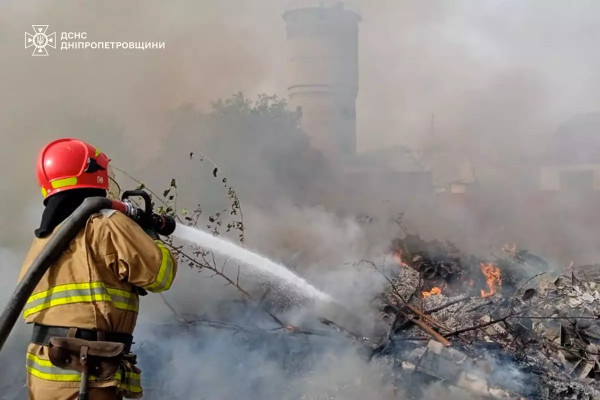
pixel 93 166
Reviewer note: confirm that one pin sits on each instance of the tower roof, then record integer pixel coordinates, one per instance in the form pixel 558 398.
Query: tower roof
pixel 347 5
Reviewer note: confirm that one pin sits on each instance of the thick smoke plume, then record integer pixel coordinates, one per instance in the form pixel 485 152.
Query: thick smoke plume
pixel 489 80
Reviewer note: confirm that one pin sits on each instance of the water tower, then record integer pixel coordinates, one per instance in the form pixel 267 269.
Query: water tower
pixel 322 37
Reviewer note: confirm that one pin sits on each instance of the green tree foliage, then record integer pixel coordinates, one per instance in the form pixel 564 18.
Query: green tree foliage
pixel 257 143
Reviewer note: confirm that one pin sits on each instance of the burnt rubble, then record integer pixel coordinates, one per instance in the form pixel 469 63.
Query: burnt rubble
pixel 500 327
pixel 533 338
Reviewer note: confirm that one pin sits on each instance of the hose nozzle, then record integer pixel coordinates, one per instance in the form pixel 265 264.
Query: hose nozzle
pixel 162 224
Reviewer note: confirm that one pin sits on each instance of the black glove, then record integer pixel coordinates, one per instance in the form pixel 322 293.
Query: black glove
pixel 140 291
pixel 151 232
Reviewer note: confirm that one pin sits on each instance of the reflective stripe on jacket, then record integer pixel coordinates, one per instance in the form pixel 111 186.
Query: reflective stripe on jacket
pixel 92 285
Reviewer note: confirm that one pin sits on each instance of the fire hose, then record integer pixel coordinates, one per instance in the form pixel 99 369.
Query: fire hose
pixel 161 224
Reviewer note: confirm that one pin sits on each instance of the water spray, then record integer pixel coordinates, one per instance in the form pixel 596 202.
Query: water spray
pixel 147 219
pixel 257 262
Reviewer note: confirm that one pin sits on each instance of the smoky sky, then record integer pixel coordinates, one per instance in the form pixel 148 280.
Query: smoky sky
pixel 490 71
pixel 498 76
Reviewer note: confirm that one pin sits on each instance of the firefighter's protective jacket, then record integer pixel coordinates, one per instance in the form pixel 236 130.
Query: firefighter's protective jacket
pixel 93 286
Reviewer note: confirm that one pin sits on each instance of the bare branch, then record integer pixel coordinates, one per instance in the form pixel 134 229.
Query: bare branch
pixel 229 281
pixel 175 313
pixel 443 306
pixel 493 322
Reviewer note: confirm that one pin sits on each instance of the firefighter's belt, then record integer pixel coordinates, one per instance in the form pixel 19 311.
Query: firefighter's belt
pixel 43 333
pixel 98 358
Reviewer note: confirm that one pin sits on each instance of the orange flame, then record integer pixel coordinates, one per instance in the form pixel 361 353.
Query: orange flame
pixel 398 258
pixel 493 277
pixel 435 290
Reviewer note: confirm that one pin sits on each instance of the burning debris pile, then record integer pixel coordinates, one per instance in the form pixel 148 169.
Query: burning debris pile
pixel 439 264
pixel 492 331
pixel 469 328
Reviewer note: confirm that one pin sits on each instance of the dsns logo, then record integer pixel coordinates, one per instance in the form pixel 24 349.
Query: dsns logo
pixel 39 40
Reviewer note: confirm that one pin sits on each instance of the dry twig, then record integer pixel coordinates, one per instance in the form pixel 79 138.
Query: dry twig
pixel 443 306
pixel 480 326
pixel 230 281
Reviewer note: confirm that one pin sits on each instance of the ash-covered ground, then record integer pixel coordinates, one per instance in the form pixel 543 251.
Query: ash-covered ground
pixel 511 334
pixel 535 337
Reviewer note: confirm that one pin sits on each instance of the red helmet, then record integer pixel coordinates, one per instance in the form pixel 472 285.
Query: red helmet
pixel 66 164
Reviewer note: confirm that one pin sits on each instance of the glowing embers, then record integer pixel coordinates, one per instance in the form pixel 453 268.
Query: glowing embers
pixel 433 291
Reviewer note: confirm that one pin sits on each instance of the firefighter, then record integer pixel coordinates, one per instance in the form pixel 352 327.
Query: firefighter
pixel 91 292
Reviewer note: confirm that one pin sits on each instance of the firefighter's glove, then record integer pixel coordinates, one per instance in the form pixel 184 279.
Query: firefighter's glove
pixel 140 291
pixel 151 232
